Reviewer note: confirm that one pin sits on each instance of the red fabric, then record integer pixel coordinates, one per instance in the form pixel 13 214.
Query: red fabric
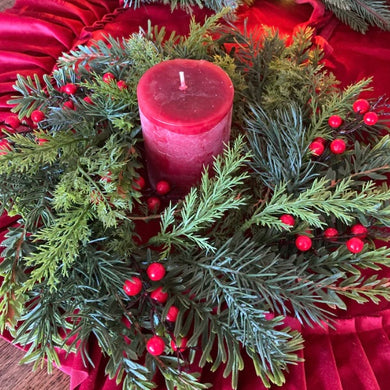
pixel 356 354
pixel 34 33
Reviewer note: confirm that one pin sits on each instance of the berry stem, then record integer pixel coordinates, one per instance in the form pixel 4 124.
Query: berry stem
pixel 138 327
pixel 382 100
pixel 351 130
pixel 263 200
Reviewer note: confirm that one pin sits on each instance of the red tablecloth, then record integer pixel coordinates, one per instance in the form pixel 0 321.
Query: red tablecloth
pixel 353 356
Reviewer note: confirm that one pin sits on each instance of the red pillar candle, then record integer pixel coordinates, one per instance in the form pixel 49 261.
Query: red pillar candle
pixel 185 109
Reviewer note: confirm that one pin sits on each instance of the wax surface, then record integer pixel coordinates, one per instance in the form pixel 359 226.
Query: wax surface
pixel 184 129
pixel 178 159
pixel 198 108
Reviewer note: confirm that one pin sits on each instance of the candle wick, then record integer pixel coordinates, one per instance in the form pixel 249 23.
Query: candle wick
pixel 183 85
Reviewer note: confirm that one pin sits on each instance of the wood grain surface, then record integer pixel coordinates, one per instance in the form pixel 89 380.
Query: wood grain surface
pixel 6 4
pixel 14 376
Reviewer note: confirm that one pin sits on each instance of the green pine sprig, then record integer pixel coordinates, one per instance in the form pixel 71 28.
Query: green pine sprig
pixel 323 198
pixel 361 14
pixel 204 206
pixel 59 247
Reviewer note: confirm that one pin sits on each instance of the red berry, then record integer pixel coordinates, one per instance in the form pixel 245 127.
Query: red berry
pixel 121 84
pixel 37 116
pixel 359 230
pixel 88 100
pixel 335 121
pixel 69 89
pixel 330 233
pixel 108 77
pixel 338 146
pixel 162 187
pixel 126 322
pixel 139 184
pixel 361 106
pixel 303 243
pixel 317 148
pixel 4 147
pixel 172 313
pixel 132 286
pixel 355 245
pixel 12 121
pixel 319 139
pixel 153 204
pixel 180 347
pixel 155 345
pixel 68 104
pixel 41 141
pixel 155 271
pixel 159 295
pixel 107 177
pixel 287 219
pixel 370 118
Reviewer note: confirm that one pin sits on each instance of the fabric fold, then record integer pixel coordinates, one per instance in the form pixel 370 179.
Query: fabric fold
pixel 320 363
pixel 376 345
pixel 352 363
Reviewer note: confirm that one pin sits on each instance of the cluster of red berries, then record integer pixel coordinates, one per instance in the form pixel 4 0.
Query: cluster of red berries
pixel 153 202
pixel 11 122
pixel 133 286
pixel 361 107
pixel 304 243
pixel 71 89
pixel 338 145
pixel 68 89
pixel 109 77
pixel 156 345
pixel 155 272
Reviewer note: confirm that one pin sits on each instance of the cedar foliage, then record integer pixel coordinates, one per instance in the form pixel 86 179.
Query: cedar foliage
pixel 233 269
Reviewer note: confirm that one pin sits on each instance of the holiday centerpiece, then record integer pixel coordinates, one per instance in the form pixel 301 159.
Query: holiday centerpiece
pixel 283 223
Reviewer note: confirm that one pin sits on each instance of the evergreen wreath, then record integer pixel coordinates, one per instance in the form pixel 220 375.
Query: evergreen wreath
pixel 285 225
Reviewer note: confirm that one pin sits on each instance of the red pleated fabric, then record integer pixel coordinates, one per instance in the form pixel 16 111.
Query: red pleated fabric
pixel 320 362
pixel 355 353
pixel 34 33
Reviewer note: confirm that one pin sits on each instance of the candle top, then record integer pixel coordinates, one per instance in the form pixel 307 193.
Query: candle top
pixel 207 98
